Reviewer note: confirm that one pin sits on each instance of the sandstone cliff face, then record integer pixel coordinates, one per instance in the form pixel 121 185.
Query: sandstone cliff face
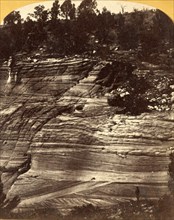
pixel 62 145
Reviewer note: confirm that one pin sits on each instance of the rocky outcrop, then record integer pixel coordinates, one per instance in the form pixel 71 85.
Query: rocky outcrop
pixel 62 145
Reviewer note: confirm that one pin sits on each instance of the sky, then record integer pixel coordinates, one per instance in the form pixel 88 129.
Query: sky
pixel 113 6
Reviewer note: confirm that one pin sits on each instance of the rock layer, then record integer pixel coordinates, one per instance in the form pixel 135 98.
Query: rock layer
pixel 81 151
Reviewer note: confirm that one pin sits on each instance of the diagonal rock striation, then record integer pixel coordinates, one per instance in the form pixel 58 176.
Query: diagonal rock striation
pixel 62 145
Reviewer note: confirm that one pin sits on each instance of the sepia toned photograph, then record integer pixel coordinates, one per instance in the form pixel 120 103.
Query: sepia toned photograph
pixel 87 111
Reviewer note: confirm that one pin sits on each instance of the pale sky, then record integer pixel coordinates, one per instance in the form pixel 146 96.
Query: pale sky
pixel 113 6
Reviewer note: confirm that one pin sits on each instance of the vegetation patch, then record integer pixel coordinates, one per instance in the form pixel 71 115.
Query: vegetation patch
pixel 133 93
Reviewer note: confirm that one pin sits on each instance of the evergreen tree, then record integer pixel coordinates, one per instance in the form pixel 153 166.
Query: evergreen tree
pixel 55 10
pixel 72 13
pixel 66 9
pixel 13 18
pixel 40 14
pixel 87 6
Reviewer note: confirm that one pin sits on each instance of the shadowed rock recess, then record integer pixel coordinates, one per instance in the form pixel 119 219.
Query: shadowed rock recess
pixel 65 142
